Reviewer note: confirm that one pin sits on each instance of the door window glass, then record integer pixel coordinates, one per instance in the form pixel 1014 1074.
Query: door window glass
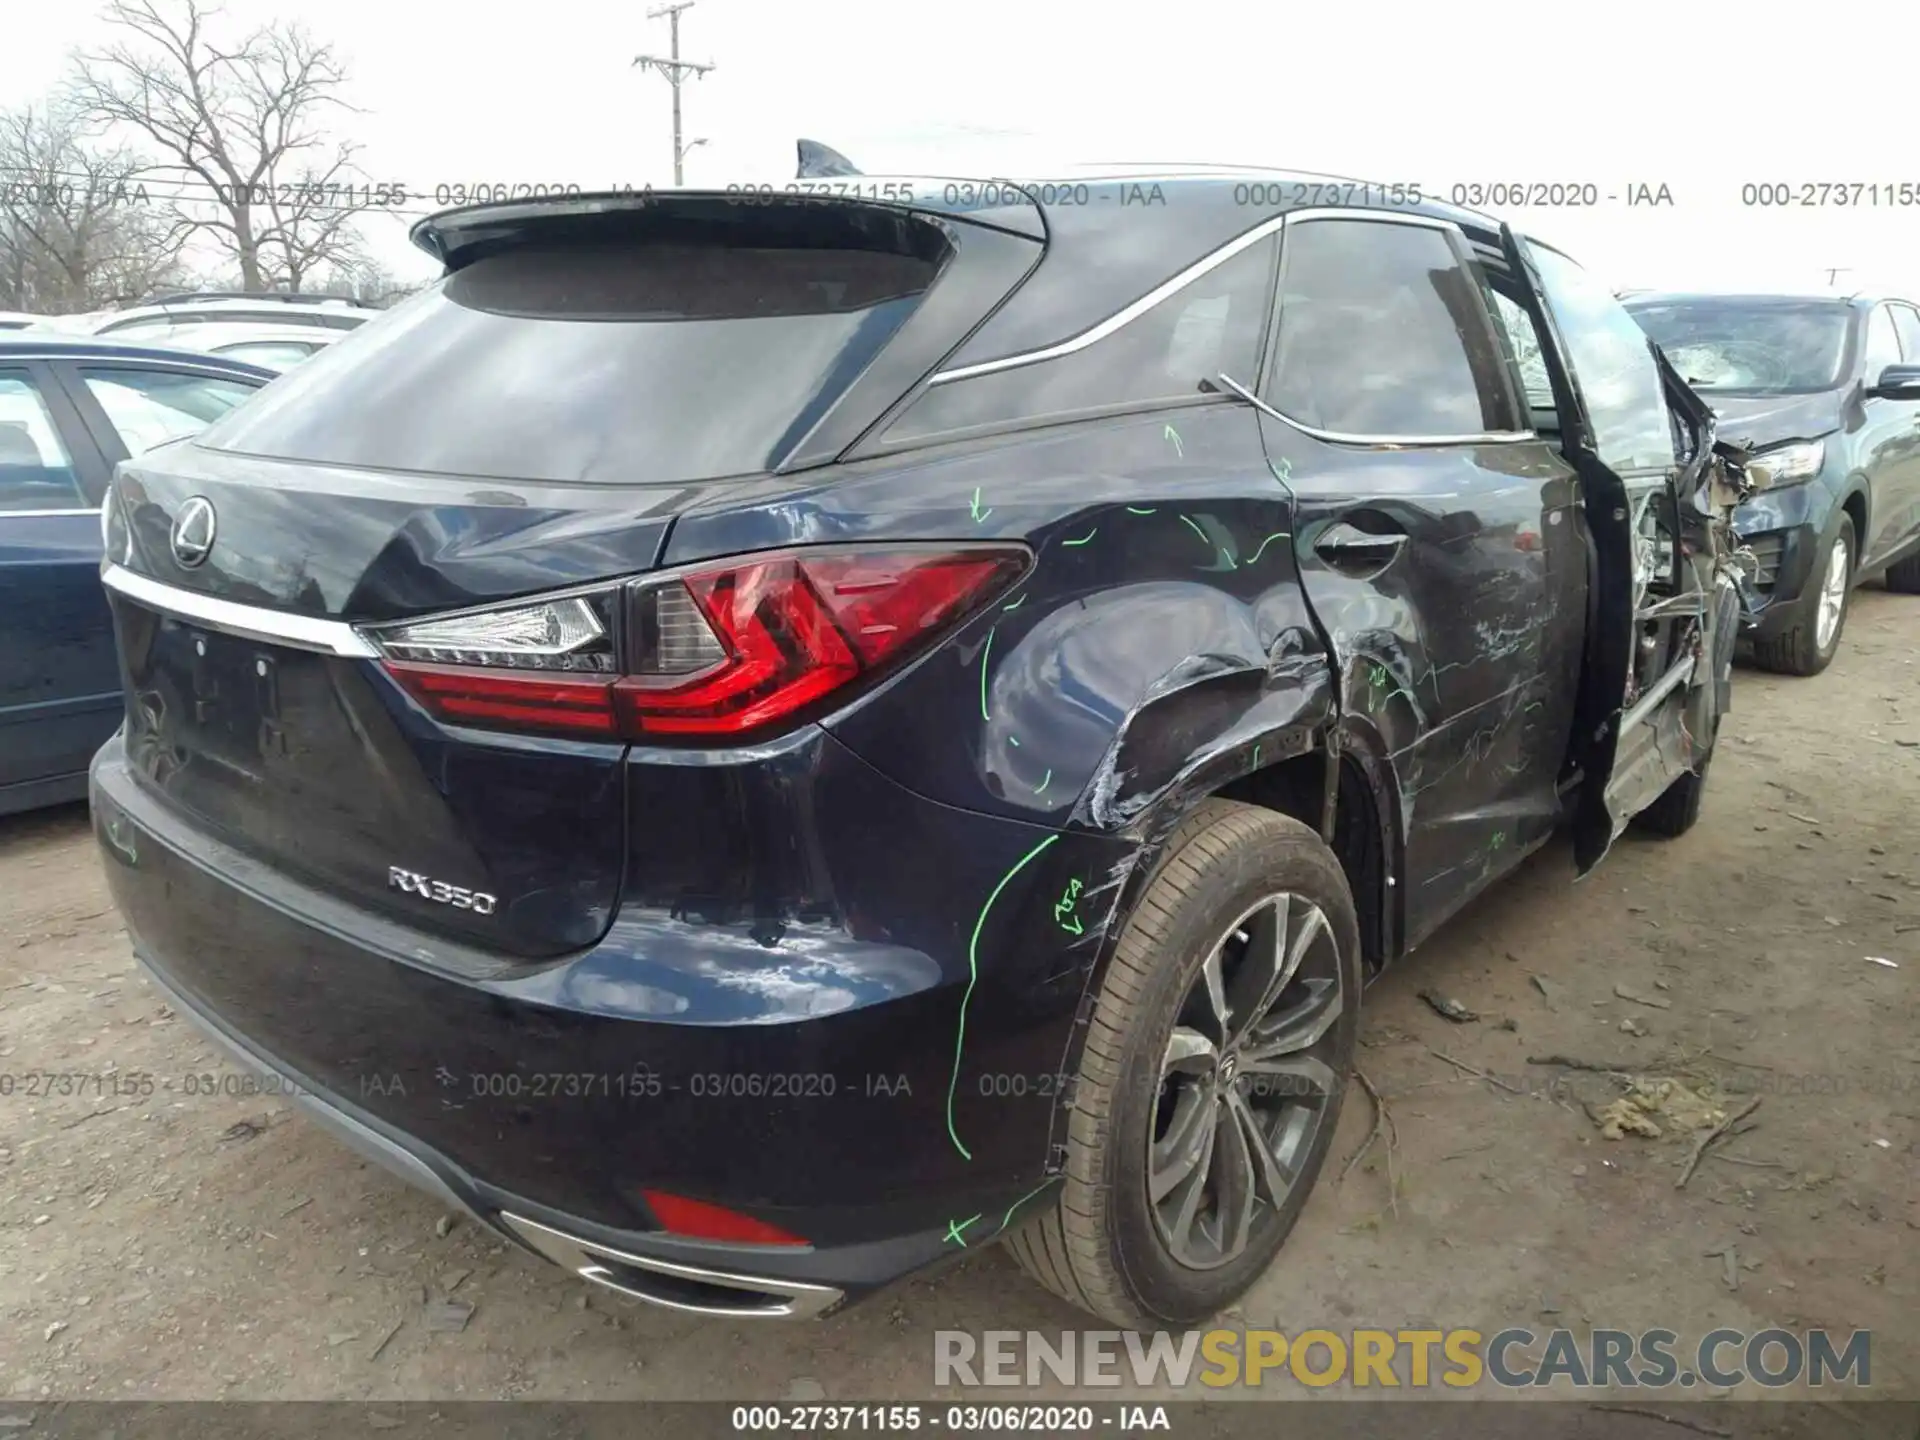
pixel 1612 363
pixel 1384 332
pixel 151 407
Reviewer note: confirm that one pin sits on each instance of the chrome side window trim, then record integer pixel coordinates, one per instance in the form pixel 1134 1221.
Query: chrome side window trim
pixel 1210 261
pixel 1119 318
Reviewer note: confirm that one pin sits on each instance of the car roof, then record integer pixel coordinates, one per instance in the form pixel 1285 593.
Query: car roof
pixel 17 345
pixel 266 300
pixel 1753 298
pixel 240 332
pixel 1112 237
pixel 446 233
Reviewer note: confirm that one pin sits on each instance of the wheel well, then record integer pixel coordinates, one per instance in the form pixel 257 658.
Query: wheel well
pixel 1856 506
pixel 1298 787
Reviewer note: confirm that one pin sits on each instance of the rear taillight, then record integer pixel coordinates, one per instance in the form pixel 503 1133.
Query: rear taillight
pixel 722 652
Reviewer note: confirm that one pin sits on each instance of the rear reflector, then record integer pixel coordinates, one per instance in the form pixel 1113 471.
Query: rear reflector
pixel 697 1220
pixel 721 653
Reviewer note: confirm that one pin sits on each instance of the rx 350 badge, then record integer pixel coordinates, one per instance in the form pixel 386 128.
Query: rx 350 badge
pixel 412 882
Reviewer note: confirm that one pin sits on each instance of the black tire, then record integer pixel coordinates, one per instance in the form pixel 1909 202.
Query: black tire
pixel 1796 650
pixel 1903 576
pixel 1099 1246
pixel 1678 807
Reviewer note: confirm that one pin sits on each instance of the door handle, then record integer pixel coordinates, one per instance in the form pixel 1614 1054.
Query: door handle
pixel 1347 547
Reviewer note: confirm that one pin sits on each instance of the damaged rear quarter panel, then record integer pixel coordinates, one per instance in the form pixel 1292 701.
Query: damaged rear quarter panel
pixel 1159 647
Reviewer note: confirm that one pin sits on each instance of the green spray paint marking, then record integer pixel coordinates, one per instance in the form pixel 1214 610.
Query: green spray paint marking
pixel 1014 740
pixel 1007 1219
pixel 1045 780
pixel 1256 757
pixel 1084 538
pixel 954 1227
pixel 1382 680
pixel 1136 510
pixel 973 977
pixel 1174 435
pixel 1015 605
pixel 978 513
pixel 984 649
pixel 1063 909
pixel 1283 472
pixel 1277 535
pixel 1194 526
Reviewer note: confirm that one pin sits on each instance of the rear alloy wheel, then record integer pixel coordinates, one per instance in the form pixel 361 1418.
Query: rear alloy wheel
pixel 1212 1077
pixel 1808 645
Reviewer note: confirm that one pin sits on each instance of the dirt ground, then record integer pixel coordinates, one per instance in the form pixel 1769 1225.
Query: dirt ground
pixel 174 1246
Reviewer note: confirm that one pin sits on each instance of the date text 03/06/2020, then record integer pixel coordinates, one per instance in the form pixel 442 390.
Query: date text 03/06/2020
pixel 1052 1419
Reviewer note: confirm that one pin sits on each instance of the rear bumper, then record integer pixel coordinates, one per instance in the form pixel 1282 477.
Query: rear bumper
pixel 542 1099
pixel 704 1281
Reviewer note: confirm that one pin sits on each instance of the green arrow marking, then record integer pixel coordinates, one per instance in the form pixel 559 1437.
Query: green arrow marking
pixel 973 978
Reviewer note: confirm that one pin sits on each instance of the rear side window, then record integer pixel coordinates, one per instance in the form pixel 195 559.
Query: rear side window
pixel 1212 325
pixel 1384 333
pixel 616 364
pixel 35 473
pixel 1612 363
pixel 272 353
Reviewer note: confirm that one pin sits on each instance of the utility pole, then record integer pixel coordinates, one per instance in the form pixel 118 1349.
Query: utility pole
pixel 676 70
pixel 1835 272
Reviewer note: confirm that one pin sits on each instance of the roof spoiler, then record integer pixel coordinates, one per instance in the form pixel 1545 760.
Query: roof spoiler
pixel 817 160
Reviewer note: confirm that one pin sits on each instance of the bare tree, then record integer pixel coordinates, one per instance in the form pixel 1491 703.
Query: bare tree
pixel 78 229
pixel 242 122
pixel 369 282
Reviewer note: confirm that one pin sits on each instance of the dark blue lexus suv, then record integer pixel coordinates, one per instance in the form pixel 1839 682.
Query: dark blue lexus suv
pixel 757 742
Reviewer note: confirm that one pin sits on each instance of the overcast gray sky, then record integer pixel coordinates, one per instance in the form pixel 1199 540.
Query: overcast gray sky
pixel 1699 95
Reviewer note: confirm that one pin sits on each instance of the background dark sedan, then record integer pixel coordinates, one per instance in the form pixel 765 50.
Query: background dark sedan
pixel 70 410
pixel 1804 379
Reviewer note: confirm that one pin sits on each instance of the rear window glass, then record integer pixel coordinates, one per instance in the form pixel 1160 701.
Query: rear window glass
pixel 618 364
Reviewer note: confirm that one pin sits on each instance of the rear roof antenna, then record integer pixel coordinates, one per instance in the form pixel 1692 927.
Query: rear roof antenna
pixel 817 160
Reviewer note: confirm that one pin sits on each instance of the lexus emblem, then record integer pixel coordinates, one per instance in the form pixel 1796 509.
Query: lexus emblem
pixel 193 531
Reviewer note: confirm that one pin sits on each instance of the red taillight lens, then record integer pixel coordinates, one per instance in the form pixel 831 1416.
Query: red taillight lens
pixel 509 701
pixel 697 1220
pixel 722 652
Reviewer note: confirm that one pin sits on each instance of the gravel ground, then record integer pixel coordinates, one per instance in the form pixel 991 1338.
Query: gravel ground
pixel 173 1245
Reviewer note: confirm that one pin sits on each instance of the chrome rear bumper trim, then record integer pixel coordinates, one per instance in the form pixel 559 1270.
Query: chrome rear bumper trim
pixel 303 632
pixel 777 1299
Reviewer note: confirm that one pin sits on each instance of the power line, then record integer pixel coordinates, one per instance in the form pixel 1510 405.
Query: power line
pixel 675 70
